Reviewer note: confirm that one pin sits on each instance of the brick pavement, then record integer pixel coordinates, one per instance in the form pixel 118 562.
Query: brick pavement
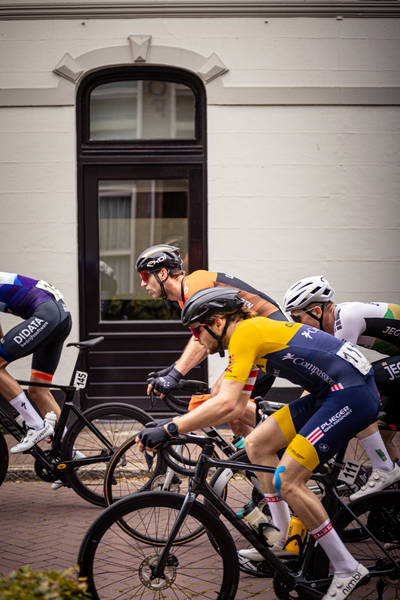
pixel 44 529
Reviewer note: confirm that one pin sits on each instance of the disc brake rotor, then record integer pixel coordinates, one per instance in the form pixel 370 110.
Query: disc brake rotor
pixel 158 583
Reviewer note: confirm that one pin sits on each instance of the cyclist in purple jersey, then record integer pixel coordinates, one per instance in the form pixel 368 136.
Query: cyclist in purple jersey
pixel 47 323
pixel 373 325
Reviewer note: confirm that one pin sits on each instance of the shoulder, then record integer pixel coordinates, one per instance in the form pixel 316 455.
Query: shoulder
pixel 196 281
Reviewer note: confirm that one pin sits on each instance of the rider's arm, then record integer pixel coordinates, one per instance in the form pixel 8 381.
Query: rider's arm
pixel 192 355
pixel 349 323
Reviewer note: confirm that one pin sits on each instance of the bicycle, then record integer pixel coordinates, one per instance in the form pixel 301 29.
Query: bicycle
pixel 95 433
pixel 152 558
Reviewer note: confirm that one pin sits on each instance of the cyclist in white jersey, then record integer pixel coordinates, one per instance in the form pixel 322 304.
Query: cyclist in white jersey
pixel 376 326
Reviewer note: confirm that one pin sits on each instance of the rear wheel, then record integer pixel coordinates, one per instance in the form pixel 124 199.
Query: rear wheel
pixel 3 458
pixel 116 422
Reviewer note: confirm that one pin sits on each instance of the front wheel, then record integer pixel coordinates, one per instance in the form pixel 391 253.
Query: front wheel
pixel 116 422
pixel 118 565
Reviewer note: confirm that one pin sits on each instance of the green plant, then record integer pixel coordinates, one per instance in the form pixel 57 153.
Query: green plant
pixel 23 584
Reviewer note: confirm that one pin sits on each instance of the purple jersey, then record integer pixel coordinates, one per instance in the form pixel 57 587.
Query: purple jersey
pixel 20 295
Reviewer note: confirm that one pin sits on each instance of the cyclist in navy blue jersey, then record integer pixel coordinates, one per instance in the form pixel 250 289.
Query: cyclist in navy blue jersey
pixel 45 326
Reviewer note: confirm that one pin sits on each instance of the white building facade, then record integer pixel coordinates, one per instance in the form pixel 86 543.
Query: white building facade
pixel 278 158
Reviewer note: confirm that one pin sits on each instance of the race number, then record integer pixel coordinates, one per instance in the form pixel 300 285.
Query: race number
pixel 43 285
pixel 353 356
pixel 349 471
pixel 80 380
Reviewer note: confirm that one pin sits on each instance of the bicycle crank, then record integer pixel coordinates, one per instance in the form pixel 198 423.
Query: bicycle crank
pixel 146 573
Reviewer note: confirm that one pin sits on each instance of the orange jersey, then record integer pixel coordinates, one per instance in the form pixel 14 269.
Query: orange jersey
pixel 262 304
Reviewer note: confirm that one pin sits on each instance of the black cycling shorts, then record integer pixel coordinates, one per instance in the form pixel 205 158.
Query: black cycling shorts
pixel 42 335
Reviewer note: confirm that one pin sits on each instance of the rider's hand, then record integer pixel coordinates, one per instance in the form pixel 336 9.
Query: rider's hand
pixel 152 437
pixel 165 384
pixel 163 372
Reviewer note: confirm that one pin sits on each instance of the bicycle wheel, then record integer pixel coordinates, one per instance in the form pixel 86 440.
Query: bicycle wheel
pixel 3 458
pixel 118 482
pixel 121 566
pixel 380 512
pixel 116 422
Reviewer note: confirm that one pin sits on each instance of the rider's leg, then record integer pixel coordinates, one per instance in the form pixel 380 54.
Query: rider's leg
pixel 13 393
pixel 374 446
pixel 41 396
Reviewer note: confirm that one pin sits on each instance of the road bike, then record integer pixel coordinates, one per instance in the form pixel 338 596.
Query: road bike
pixel 95 433
pixel 153 559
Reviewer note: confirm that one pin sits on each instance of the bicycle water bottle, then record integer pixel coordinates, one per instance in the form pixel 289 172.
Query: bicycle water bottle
pixel 259 522
pixel 296 531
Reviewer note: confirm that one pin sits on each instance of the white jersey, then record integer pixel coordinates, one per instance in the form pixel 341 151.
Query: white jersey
pixel 373 325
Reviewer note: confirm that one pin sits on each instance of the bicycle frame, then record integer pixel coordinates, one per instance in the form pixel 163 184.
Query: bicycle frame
pixel 198 485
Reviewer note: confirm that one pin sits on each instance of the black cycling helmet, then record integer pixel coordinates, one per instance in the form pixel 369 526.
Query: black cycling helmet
pixel 158 257
pixel 204 304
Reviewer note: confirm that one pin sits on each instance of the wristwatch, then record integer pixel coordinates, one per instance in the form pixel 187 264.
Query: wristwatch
pixel 172 428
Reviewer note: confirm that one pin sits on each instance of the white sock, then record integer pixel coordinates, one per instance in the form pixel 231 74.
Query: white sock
pixel 28 413
pixel 343 563
pixel 280 514
pixel 376 450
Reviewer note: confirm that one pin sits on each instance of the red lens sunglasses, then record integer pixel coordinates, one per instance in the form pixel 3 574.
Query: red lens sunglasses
pixel 196 330
pixel 145 276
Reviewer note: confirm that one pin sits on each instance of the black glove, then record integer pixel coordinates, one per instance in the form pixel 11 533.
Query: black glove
pixel 163 372
pixel 158 423
pixel 153 437
pixel 164 385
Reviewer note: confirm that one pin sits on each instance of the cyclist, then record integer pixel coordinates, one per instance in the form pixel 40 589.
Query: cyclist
pixel 342 399
pixel 47 322
pixel 160 268
pixel 374 325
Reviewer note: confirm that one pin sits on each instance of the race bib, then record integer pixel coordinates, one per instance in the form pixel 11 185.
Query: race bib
pixel 43 285
pixel 353 356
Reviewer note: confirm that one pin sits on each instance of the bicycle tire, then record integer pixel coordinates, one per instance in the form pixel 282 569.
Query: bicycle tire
pixel 116 421
pixel 111 560
pixel 4 457
pixel 113 492
pixel 381 512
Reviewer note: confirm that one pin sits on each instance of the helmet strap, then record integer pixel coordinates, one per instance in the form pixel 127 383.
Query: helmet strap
pixel 219 338
pixel 321 318
pixel 163 294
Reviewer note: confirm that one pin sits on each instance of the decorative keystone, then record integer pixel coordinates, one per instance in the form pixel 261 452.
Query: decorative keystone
pixel 68 68
pixel 212 68
pixel 140 45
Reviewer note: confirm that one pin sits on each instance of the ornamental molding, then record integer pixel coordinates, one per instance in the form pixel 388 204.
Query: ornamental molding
pixel 125 9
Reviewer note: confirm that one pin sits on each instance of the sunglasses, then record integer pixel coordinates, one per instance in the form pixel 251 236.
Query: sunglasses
pixel 297 319
pixel 196 330
pixel 145 275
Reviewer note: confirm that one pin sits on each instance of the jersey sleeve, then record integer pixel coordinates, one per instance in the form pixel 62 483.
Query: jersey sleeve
pixel 349 323
pixel 242 354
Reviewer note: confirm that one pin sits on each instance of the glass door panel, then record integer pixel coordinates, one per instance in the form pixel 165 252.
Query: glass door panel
pixel 133 215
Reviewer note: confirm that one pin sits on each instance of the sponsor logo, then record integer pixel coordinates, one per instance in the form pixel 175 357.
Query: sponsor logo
pixel 335 419
pixel 231 362
pixel 393 370
pixel 276 372
pixel 31 330
pixel 307 333
pixel 352 583
pixel 324 447
pixel 319 534
pixel 313 369
pixel 156 261
pixel 392 331
pixel 381 455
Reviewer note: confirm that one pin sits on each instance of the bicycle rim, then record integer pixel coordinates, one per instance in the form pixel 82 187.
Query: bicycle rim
pixel 119 566
pixel 3 458
pixel 116 422
pixel 381 513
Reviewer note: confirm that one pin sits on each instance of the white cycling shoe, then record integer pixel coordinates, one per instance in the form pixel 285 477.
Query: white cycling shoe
pixel 33 436
pixel 60 483
pixel 379 480
pixel 343 587
pixel 253 555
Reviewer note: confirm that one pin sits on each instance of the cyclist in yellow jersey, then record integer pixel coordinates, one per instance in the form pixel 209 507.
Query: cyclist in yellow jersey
pixel 373 325
pixel 343 399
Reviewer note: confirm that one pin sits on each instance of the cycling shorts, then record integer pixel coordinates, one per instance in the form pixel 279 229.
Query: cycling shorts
pixel 316 429
pixel 42 335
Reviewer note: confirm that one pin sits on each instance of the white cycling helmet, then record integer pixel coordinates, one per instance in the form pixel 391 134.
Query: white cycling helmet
pixel 305 291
